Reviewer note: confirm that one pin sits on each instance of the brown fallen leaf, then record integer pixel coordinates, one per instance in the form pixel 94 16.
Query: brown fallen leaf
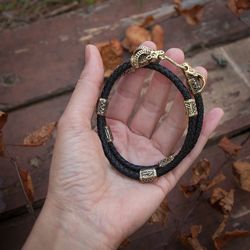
pixel 39 136
pixel 160 216
pixel 229 147
pixel 192 15
pixel 158 36
pixel 222 200
pixel 134 36
pixel 241 171
pixel 111 53
pixel 219 231
pixel 188 190
pixel 201 171
pixel 191 239
pixel 237 6
pixel 221 241
pixel 147 22
pixel 200 174
pixel 27 183
pixel 212 182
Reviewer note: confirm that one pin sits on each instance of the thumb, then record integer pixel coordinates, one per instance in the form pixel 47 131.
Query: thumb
pixel 83 100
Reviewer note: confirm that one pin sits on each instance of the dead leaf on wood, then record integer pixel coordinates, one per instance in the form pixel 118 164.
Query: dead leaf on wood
pixel 3 119
pixel 229 147
pixel 222 200
pixel 201 171
pixel 39 136
pixel 134 36
pixel 204 185
pixel 211 183
pixel 111 53
pixel 192 15
pixel 27 183
pixel 158 36
pixel 241 171
pixel 188 190
pixel 160 216
pixel 200 174
pixel 147 22
pixel 191 239
pixel 221 241
pixel 219 231
pixel 237 6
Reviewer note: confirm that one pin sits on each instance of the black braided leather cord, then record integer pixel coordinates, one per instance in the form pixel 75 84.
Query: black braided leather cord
pixel 194 125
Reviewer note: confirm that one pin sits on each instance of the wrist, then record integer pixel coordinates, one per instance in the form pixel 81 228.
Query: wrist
pixel 59 229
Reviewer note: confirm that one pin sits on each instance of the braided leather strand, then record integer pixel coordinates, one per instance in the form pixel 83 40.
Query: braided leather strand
pixel 194 125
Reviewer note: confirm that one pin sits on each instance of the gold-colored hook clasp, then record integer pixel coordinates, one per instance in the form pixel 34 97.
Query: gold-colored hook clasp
pixel 196 81
pixel 144 55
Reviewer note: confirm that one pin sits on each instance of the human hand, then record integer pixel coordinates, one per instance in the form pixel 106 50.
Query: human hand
pixel 89 204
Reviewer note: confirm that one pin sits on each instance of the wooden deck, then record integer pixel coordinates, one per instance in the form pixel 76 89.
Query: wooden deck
pixel 43 61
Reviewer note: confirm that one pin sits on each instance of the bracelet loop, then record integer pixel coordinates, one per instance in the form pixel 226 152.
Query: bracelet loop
pixel 147 58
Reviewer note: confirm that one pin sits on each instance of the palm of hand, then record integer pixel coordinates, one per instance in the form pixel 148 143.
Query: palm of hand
pixel 120 204
pixel 82 180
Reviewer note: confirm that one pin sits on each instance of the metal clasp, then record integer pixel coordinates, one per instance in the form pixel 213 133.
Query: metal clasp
pixel 144 55
pixel 196 81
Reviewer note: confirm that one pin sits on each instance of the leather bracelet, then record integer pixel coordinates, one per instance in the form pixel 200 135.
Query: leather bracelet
pixel 148 58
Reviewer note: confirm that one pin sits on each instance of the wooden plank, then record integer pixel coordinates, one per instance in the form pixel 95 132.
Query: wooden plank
pixel 39 59
pixel 47 55
pixel 228 87
pixel 225 89
pixel 21 123
pixel 166 237
pixel 158 237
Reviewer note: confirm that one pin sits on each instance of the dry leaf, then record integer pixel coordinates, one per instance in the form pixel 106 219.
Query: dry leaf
pixel 147 22
pixel 229 147
pixel 237 6
pixel 211 183
pixel 158 36
pixel 134 36
pixel 241 171
pixel 160 215
pixel 3 119
pixel 27 184
pixel 200 173
pixel 219 231
pixel 39 136
pixel 111 53
pixel 191 240
pixel 223 200
pixel 192 15
pixel 188 190
pixel 221 241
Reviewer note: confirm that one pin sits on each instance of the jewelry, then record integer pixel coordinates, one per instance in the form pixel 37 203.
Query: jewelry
pixel 145 57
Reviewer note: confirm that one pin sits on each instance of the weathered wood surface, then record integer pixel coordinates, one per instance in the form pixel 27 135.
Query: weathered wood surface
pixel 44 60
pixel 39 60
pixel 226 88
pixel 166 237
